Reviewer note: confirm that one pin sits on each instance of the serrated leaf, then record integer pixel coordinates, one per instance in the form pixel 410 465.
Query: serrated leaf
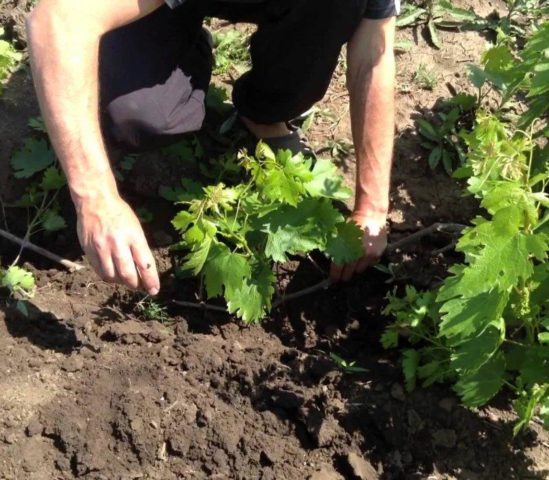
pixel 346 245
pixel 472 354
pixel 196 259
pixel 294 230
pixel 225 271
pixel 53 179
pixel 183 220
pixel 52 221
pixel 477 388
pixel 252 302
pixel 389 339
pixel 15 278
pixel 327 182
pixel 464 317
pixel 34 157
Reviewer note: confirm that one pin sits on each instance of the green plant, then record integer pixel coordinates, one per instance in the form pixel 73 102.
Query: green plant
pixel 346 366
pixel 18 281
pixel 487 326
pixel 441 137
pixel 434 14
pixel 425 77
pixel 151 310
pixel 9 58
pixel 231 51
pixel 36 160
pixel 235 233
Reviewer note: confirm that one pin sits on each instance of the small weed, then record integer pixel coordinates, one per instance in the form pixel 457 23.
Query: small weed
pixel 231 51
pixel 347 367
pixel 151 310
pixel 425 77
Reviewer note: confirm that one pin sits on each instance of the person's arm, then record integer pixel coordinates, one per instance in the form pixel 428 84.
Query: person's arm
pixel 371 83
pixel 64 38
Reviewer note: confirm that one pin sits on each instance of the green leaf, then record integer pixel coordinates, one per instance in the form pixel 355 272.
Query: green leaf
pixel 327 182
pixel 17 279
pixel 225 271
pixel 183 220
pixel 53 179
pixel 410 362
pixel 535 366
pixel 434 157
pixel 427 130
pixel 52 221
pixel 295 230
pixel 526 404
pixel 252 302
pixel 389 339
pixel 464 317
pixel 477 388
pixel 472 354
pixel 432 28
pixel 196 259
pixel 346 245
pixel 410 16
pixel 34 157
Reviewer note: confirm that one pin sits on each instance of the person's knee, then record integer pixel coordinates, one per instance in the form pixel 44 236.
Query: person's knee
pixel 173 108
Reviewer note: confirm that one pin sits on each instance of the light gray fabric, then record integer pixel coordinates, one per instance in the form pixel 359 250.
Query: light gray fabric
pixel 168 109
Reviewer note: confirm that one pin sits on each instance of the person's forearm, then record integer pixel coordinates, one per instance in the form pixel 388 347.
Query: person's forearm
pixel 64 40
pixel 371 87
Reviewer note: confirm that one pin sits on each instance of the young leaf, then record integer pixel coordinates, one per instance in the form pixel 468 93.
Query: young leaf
pixel 53 179
pixel 225 271
pixel 16 279
pixel 253 300
pixel 477 388
pixel 346 245
pixel 34 157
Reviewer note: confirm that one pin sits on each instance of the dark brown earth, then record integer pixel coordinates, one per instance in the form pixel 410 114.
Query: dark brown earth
pixel 91 389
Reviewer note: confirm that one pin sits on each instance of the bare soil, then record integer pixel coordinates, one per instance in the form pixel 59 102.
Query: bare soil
pixel 90 389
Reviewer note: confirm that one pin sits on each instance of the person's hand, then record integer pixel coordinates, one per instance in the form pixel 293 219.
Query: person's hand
pixel 374 243
pixel 114 242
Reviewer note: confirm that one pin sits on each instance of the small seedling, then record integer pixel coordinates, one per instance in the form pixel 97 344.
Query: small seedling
pixel 425 77
pixel 347 367
pixel 151 310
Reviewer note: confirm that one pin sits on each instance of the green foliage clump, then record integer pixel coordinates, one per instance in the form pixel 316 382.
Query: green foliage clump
pixel 9 58
pixel 231 49
pixel 283 208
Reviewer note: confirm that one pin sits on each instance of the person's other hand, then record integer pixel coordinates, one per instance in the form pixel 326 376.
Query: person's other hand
pixel 114 242
pixel 374 243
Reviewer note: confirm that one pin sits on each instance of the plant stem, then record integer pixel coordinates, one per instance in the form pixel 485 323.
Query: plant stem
pixel 453 228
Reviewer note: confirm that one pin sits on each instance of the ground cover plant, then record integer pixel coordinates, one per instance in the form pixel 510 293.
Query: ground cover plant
pixel 487 326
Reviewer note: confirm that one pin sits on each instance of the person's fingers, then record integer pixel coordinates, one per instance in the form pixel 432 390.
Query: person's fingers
pixel 335 272
pixel 146 267
pixel 105 264
pixel 125 267
pixel 363 264
pixel 348 271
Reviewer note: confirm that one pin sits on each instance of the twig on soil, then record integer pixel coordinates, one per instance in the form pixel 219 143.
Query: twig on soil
pixel 23 243
pixel 200 306
pixel 452 228
pixel 307 291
